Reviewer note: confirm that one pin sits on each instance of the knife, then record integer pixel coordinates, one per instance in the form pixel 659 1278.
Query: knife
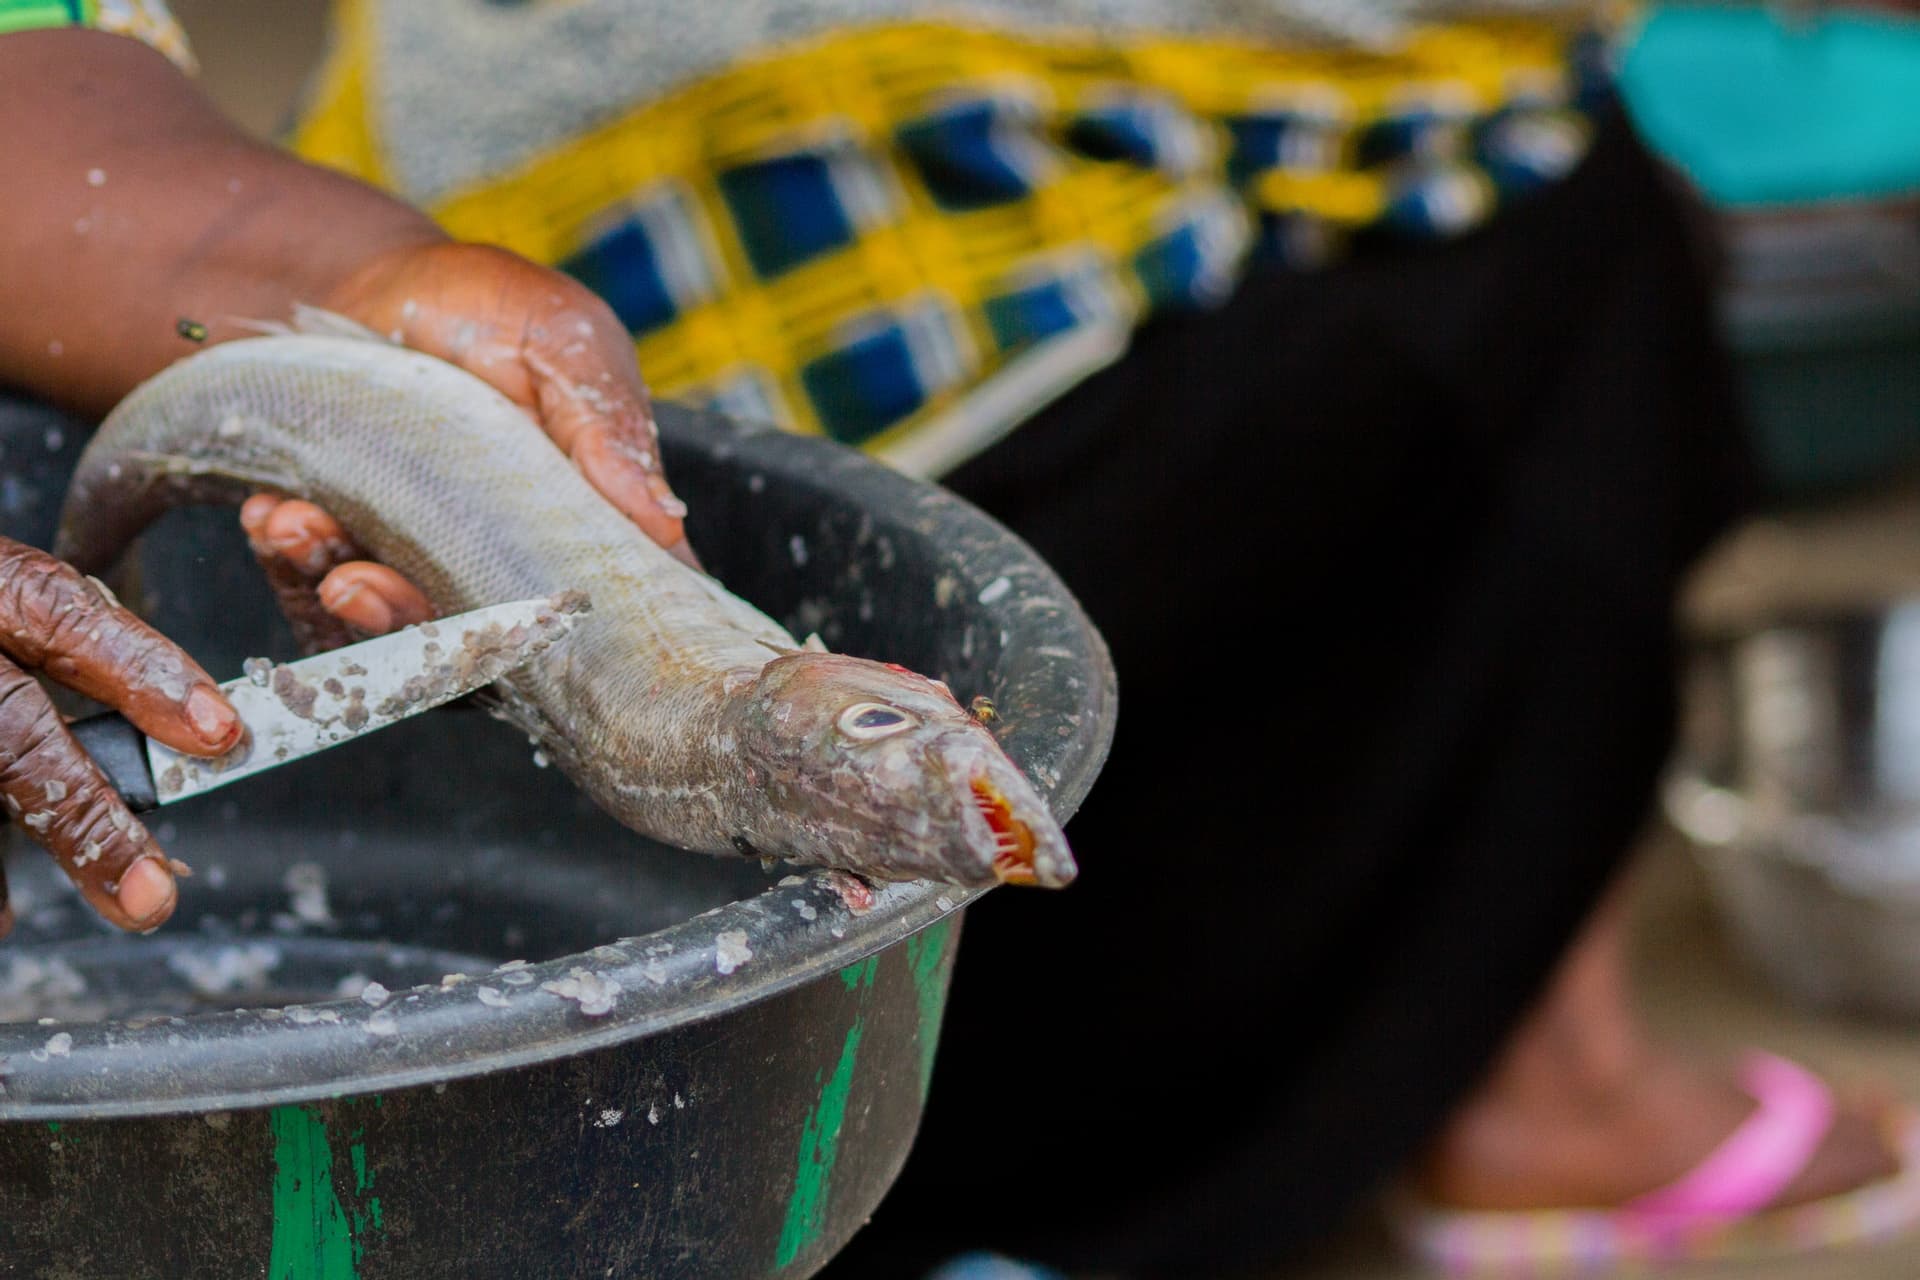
pixel 293 709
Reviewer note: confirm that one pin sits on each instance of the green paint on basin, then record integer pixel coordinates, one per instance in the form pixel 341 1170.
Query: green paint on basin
pixel 820 1136
pixel 369 1216
pixel 860 973
pixel 819 1148
pixel 926 951
pixel 311 1236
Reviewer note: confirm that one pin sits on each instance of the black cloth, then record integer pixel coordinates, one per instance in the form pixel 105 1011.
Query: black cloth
pixel 1386 556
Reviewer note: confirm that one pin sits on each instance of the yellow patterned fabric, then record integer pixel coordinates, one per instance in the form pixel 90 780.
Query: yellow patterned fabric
pixel 145 20
pixel 909 236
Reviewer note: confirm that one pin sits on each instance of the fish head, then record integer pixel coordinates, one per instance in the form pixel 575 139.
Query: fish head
pixel 870 767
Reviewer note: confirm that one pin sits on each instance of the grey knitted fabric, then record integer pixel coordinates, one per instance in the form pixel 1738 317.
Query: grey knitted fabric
pixel 468 88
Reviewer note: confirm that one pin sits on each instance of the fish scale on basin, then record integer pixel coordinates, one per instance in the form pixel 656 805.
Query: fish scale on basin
pixel 424 1011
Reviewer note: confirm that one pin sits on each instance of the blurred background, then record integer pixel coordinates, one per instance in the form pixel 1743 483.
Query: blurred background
pixel 1780 898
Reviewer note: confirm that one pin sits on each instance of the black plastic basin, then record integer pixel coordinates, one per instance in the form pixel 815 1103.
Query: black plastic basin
pixel 597 1057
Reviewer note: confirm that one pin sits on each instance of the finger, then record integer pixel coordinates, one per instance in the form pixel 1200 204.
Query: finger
pixel 61 622
pixel 309 539
pixel 296 550
pixel 546 342
pixel 253 518
pixel 373 598
pixel 617 468
pixel 60 797
pixel 307 551
pixel 6 904
pixel 589 397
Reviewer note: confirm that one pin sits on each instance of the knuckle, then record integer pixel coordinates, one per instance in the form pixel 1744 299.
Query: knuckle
pixel 37 600
pixel 52 608
pixel 143 665
pixel 63 623
pixel 27 719
pixel 98 829
pixel 43 755
pixel 50 786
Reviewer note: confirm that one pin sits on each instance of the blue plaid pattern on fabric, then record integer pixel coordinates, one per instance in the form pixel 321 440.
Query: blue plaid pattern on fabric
pixel 648 262
pixel 883 368
pixel 976 153
pixel 866 236
pixel 790 209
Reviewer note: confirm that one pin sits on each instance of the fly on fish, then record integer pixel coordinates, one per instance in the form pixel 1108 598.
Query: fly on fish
pixel 685 712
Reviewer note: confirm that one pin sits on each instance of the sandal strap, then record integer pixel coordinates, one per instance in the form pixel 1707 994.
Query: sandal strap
pixel 1751 1169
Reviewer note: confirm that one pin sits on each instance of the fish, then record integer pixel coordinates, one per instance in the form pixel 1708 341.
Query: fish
pixel 686 713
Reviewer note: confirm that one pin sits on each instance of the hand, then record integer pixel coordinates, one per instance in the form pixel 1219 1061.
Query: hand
pixel 539 337
pixel 56 621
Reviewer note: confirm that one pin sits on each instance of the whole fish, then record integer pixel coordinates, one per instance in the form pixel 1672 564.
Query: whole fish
pixel 686 713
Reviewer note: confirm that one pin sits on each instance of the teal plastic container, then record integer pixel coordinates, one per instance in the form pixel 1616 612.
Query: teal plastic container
pixel 1803 133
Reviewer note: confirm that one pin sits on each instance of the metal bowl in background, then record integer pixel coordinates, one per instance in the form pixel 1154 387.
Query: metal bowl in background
pixel 593 1056
pixel 1798 780
pixel 1798 773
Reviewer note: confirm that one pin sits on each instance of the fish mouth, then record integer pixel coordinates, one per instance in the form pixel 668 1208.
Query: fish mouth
pixel 1014 844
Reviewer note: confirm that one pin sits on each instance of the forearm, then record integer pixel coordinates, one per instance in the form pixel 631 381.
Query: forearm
pixel 128 203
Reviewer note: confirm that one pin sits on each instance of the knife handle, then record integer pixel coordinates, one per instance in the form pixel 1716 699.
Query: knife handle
pixel 120 750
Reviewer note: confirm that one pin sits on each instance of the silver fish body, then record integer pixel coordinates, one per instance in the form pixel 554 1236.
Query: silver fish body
pixel 686 713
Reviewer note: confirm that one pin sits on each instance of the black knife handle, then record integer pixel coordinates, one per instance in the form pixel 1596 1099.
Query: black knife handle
pixel 121 752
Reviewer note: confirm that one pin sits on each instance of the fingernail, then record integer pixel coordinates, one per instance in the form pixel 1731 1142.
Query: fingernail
pixel 356 606
pixel 145 891
pixel 664 495
pixel 211 717
pixel 254 512
pixel 302 550
pixel 333 595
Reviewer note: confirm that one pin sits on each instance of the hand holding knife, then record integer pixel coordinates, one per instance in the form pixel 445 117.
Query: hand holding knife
pixel 294 709
pixel 64 783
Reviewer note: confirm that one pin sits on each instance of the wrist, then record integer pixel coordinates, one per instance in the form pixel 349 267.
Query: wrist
pixel 352 286
pixel 449 298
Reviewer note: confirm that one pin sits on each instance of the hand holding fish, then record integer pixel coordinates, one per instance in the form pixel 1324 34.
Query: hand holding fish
pixel 535 335
pixel 546 342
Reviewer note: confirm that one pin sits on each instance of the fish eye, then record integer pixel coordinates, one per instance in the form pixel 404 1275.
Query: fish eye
pixel 867 721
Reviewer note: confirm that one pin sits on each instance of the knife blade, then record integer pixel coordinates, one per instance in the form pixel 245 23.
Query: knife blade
pixel 294 709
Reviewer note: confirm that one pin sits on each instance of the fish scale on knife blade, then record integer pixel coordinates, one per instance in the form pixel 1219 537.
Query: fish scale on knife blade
pixel 294 709
pixel 291 710
pixel 686 713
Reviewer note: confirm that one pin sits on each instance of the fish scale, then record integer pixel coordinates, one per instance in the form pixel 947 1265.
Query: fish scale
pixel 685 712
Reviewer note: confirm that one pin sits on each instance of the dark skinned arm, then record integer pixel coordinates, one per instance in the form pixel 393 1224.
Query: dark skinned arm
pixel 130 202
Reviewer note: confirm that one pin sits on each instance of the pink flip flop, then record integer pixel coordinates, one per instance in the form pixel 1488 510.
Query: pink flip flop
pixel 1716 1213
